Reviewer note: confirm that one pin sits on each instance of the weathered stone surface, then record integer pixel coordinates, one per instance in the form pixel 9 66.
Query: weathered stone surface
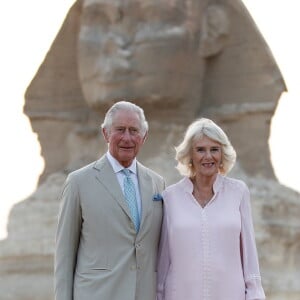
pixel 179 60
pixel 26 256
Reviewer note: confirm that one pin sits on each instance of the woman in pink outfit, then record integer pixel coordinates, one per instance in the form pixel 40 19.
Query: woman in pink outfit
pixel 207 248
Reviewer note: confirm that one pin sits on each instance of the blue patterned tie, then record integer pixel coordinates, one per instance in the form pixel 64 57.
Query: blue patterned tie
pixel 130 196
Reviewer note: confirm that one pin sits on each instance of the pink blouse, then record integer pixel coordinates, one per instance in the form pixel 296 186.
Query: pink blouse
pixel 208 253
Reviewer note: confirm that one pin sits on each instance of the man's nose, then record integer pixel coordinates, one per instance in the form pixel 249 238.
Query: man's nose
pixel 126 134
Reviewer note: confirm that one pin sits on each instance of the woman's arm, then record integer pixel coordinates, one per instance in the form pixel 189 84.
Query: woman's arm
pixel 254 289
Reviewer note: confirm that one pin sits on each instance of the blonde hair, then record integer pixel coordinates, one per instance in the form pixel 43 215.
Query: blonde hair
pixel 196 130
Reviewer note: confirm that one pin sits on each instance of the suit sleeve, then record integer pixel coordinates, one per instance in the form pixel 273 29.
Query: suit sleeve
pixel 163 260
pixel 254 290
pixel 67 240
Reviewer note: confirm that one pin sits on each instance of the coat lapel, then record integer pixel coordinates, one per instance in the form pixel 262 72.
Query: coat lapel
pixel 146 192
pixel 106 176
pixel 108 179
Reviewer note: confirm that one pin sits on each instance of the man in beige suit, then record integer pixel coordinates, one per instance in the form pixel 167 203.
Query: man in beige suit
pixel 103 252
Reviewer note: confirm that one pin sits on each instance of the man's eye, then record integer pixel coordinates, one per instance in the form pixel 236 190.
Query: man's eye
pixel 133 131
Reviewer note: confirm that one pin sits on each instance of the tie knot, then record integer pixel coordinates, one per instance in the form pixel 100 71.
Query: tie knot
pixel 126 172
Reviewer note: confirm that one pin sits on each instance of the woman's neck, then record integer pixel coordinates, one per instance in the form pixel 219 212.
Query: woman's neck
pixel 203 189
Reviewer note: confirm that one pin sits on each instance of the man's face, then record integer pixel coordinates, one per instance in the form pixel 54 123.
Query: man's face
pixel 124 138
pixel 140 49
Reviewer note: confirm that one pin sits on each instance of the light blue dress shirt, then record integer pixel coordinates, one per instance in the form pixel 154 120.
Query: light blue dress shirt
pixel 117 167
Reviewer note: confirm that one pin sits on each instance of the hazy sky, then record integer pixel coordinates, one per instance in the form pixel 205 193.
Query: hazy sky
pixel 27 32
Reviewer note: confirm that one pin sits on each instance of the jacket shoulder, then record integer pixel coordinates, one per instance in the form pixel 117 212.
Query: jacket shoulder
pixel 151 172
pixel 82 172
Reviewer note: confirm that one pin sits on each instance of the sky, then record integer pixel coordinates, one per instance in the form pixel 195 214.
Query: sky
pixel 26 35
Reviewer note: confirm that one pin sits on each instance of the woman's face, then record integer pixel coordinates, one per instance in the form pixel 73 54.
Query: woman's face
pixel 142 49
pixel 206 157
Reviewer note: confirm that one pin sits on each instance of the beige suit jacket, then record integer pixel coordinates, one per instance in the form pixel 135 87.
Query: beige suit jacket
pixel 98 254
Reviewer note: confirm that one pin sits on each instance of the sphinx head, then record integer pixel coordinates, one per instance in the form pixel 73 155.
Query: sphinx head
pixel 151 51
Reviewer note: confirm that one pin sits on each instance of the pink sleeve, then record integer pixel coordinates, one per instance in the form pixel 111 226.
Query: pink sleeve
pixel 254 289
pixel 163 259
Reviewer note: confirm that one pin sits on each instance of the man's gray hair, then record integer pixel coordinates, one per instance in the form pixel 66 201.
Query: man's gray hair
pixel 125 106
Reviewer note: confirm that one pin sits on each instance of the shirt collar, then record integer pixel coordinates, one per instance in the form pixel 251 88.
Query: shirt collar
pixel 188 185
pixel 117 167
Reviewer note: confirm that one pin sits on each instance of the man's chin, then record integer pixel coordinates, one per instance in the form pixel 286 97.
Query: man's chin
pixel 127 156
pixel 126 162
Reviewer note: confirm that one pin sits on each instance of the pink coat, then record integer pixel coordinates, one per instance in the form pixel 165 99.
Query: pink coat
pixel 208 253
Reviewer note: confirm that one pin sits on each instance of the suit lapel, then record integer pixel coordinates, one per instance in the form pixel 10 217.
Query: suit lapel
pixel 106 176
pixel 146 191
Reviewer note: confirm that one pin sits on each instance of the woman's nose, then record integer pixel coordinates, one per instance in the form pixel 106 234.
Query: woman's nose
pixel 208 153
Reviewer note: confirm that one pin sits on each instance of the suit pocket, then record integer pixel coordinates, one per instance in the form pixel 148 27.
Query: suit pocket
pixel 87 272
pixel 100 269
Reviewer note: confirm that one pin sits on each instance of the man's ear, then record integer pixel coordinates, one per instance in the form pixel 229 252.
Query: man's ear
pixel 215 31
pixel 145 137
pixel 105 134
